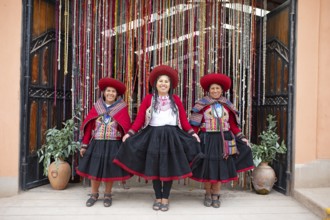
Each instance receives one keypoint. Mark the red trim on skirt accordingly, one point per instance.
(124, 167)
(245, 169)
(102, 179)
(214, 181)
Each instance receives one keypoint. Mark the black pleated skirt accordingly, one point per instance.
(243, 160)
(165, 153)
(97, 162)
(214, 168)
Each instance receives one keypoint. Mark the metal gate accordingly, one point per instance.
(276, 96)
(45, 91)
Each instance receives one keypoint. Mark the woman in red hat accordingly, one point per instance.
(167, 147)
(102, 133)
(225, 147)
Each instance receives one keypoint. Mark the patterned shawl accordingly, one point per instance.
(112, 110)
(196, 117)
(100, 109)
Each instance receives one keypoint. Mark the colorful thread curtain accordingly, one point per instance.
(125, 39)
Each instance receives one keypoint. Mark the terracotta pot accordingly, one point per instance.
(59, 174)
(263, 178)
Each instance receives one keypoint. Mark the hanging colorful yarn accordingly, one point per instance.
(57, 29)
(66, 51)
(59, 35)
(66, 36)
(195, 37)
(264, 37)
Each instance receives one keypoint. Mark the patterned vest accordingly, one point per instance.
(211, 118)
(107, 129)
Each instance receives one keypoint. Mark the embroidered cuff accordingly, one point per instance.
(240, 135)
(84, 146)
(191, 131)
(131, 132)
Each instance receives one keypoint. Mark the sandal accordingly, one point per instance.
(156, 206)
(107, 202)
(216, 202)
(92, 199)
(164, 207)
(207, 201)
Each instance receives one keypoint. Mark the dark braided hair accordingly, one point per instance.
(170, 95)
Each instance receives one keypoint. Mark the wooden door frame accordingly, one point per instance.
(38, 93)
(285, 100)
(25, 78)
(291, 96)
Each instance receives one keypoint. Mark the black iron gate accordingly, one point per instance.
(45, 91)
(276, 96)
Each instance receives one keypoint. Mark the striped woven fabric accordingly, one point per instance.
(196, 117)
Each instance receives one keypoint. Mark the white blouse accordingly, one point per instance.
(161, 118)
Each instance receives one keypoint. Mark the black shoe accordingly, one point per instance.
(107, 202)
(92, 199)
(216, 202)
(156, 206)
(207, 200)
(164, 207)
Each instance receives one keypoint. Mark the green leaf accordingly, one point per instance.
(59, 143)
(268, 147)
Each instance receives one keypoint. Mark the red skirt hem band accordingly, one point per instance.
(103, 179)
(214, 181)
(124, 167)
(245, 169)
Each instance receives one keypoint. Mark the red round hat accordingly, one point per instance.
(111, 82)
(215, 78)
(164, 70)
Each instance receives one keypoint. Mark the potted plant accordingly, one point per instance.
(58, 147)
(263, 177)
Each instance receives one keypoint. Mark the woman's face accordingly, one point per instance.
(163, 85)
(110, 95)
(215, 91)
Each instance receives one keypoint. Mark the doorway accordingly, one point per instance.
(196, 37)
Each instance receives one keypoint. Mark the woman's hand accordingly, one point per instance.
(197, 138)
(125, 137)
(82, 152)
(246, 141)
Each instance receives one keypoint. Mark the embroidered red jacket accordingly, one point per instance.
(121, 117)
